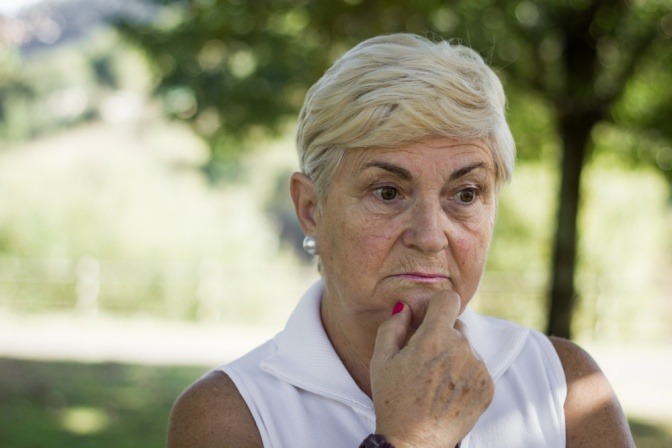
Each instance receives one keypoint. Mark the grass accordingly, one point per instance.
(57, 404)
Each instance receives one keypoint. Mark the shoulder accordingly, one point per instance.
(212, 413)
(576, 362)
(593, 415)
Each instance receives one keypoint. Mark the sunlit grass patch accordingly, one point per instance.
(84, 420)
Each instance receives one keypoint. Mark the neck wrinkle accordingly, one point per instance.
(353, 347)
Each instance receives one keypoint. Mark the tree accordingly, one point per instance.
(583, 57)
(233, 67)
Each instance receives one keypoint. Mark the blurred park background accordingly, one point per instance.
(146, 233)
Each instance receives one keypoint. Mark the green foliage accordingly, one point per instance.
(623, 251)
(132, 211)
(524, 221)
(51, 90)
(237, 70)
(231, 67)
(230, 71)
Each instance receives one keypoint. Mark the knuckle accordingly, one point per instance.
(436, 339)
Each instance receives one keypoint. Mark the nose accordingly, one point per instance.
(427, 227)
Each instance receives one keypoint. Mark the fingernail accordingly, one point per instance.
(397, 308)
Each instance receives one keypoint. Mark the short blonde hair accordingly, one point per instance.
(396, 89)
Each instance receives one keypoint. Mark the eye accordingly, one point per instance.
(386, 193)
(467, 196)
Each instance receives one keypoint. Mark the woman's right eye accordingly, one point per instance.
(386, 193)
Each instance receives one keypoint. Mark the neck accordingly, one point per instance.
(352, 342)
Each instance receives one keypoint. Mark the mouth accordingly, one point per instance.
(423, 277)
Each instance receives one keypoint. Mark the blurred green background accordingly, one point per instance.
(146, 233)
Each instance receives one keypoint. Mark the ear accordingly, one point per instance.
(304, 197)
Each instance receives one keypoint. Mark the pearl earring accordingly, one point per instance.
(310, 245)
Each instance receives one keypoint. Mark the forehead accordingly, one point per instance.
(437, 154)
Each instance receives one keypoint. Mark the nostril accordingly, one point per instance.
(429, 239)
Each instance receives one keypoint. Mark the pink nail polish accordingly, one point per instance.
(397, 308)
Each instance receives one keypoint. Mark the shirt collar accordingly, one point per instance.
(306, 358)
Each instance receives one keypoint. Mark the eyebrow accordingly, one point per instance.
(466, 170)
(394, 169)
(406, 175)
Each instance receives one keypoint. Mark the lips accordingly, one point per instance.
(423, 277)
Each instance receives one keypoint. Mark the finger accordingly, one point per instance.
(442, 312)
(392, 335)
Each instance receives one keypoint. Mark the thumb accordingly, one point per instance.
(392, 335)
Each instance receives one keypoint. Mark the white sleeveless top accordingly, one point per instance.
(301, 395)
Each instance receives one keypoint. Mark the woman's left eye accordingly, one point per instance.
(467, 196)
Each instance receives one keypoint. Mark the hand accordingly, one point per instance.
(430, 392)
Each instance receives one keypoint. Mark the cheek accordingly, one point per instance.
(360, 244)
(467, 250)
(473, 244)
(472, 253)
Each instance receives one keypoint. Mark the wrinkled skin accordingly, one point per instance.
(431, 391)
(409, 225)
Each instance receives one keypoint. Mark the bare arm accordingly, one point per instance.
(211, 413)
(593, 415)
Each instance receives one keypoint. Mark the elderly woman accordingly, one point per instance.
(403, 147)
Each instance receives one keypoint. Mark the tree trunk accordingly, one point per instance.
(575, 130)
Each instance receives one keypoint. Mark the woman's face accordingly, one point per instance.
(401, 224)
